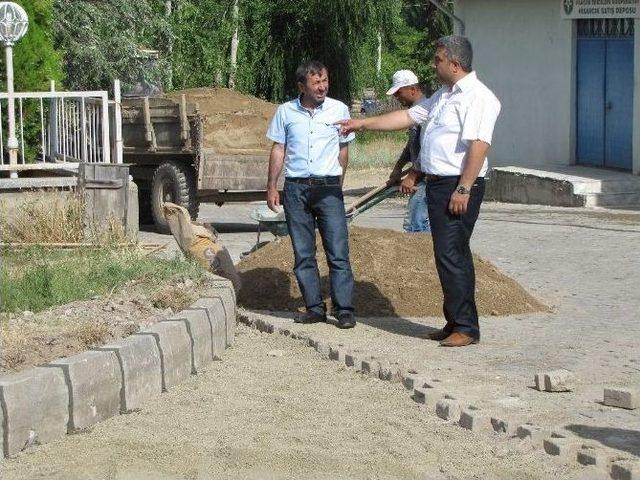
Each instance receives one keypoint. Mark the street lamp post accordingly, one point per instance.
(13, 25)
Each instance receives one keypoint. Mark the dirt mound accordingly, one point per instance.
(395, 276)
(234, 123)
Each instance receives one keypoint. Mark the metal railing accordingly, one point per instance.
(58, 130)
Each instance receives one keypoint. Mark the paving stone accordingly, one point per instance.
(561, 446)
(625, 470)
(337, 353)
(592, 455)
(448, 409)
(323, 349)
(174, 344)
(555, 381)
(199, 329)
(140, 366)
(35, 408)
(353, 359)
(95, 383)
(501, 425)
(472, 418)
(622, 398)
(219, 310)
(411, 381)
(427, 396)
(371, 367)
(533, 433)
(390, 372)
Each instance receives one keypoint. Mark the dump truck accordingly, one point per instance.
(197, 145)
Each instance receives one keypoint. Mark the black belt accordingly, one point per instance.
(432, 178)
(315, 180)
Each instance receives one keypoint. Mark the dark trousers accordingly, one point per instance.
(454, 262)
(306, 206)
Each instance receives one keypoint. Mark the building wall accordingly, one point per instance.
(523, 51)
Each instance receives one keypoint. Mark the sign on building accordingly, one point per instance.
(571, 9)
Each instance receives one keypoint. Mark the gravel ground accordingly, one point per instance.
(273, 409)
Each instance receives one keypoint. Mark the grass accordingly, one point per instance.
(376, 150)
(37, 278)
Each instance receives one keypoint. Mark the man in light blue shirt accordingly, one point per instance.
(308, 144)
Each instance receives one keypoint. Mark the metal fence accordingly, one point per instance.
(59, 130)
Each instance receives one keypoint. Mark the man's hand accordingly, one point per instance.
(350, 125)
(458, 203)
(395, 177)
(408, 185)
(273, 199)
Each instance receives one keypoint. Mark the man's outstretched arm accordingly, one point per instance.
(398, 120)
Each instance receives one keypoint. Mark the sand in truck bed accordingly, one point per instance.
(234, 123)
(395, 275)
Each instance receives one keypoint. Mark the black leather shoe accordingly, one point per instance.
(310, 317)
(346, 320)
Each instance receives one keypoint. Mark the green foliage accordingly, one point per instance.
(37, 279)
(103, 41)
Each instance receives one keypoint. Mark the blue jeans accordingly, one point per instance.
(417, 217)
(308, 206)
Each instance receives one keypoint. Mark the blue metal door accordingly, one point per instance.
(619, 104)
(605, 93)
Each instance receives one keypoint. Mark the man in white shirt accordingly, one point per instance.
(457, 127)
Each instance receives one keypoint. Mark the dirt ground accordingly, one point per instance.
(234, 123)
(395, 276)
(28, 339)
(273, 409)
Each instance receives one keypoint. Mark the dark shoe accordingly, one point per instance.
(438, 335)
(457, 339)
(346, 320)
(310, 317)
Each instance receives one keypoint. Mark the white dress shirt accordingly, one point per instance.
(451, 119)
(311, 137)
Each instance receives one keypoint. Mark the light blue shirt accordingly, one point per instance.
(312, 140)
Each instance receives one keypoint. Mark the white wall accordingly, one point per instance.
(523, 51)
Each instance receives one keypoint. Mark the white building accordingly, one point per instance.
(568, 75)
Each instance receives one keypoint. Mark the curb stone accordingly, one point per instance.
(37, 405)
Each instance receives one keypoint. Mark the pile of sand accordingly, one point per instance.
(395, 275)
(234, 123)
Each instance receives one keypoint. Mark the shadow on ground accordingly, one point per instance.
(618, 438)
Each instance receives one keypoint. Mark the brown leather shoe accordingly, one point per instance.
(438, 335)
(457, 339)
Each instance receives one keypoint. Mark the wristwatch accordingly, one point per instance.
(461, 189)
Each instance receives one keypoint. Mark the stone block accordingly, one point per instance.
(622, 398)
(390, 372)
(591, 455)
(561, 446)
(35, 408)
(448, 409)
(217, 322)
(426, 395)
(625, 470)
(533, 433)
(95, 384)
(323, 349)
(472, 418)
(500, 425)
(371, 367)
(219, 310)
(201, 333)
(555, 381)
(174, 344)
(413, 380)
(353, 359)
(140, 365)
(337, 353)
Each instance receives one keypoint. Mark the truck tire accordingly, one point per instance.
(173, 182)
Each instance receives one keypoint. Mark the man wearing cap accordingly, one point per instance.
(308, 144)
(406, 89)
(457, 129)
